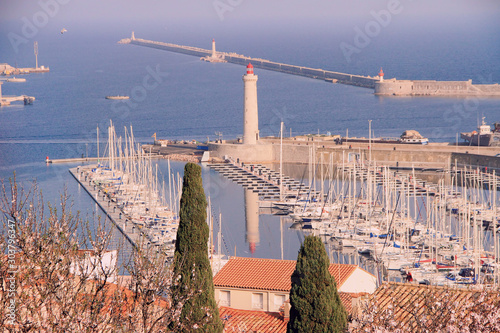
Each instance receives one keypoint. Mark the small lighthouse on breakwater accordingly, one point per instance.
(250, 110)
(214, 53)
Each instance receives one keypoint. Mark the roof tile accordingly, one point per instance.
(269, 274)
(251, 321)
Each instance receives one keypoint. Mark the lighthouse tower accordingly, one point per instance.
(251, 114)
(214, 54)
(381, 75)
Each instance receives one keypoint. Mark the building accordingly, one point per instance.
(264, 284)
(406, 307)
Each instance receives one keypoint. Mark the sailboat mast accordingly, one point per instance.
(98, 145)
(281, 161)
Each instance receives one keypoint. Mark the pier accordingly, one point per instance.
(259, 179)
(113, 213)
(6, 100)
(388, 87)
(238, 59)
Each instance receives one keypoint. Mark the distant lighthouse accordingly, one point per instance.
(251, 114)
(381, 75)
(214, 54)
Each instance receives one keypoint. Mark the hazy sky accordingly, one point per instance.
(231, 12)
(184, 21)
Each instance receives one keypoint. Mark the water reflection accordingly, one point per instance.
(252, 219)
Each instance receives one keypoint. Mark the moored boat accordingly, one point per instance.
(484, 136)
(117, 97)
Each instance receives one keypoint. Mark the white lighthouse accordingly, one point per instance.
(214, 54)
(251, 113)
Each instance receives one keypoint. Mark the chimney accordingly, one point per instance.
(286, 310)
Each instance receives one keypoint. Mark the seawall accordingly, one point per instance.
(234, 58)
(388, 87)
(398, 155)
(395, 87)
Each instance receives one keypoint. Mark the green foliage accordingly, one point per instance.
(315, 302)
(192, 271)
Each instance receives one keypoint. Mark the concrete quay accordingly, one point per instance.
(180, 152)
(6, 100)
(393, 87)
(436, 156)
(81, 159)
(6, 69)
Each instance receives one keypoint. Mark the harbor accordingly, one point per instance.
(381, 86)
(433, 232)
(362, 197)
(438, 233)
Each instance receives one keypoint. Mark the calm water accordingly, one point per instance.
(194, 99)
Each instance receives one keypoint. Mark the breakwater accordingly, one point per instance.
(234, 58)
(435, 88)
(389, 87)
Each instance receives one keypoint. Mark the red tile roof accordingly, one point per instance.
(251, 321)
(269, 274)
(408, 304)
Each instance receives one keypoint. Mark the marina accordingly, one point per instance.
(430, 233)
(368, 130)
(443, 233)
(131, 194)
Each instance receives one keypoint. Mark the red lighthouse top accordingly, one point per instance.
(381, 73)
(249, 68)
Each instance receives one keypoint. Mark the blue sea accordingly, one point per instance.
(191, 99)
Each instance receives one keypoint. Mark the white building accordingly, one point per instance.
(264, 284)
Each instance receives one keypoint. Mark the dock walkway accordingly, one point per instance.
(131, 232)
(262, 180)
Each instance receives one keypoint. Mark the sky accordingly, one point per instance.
(231, 13)
(190, 22)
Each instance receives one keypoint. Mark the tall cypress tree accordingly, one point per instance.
(192, 270)
(315, 302)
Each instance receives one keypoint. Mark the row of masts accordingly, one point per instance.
(130, 179)
(403, 221)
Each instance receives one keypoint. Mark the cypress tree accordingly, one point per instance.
(315, 302)
(194, 288)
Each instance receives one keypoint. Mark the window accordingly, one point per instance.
(224, 298)
(278, 301)
(258, 301)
